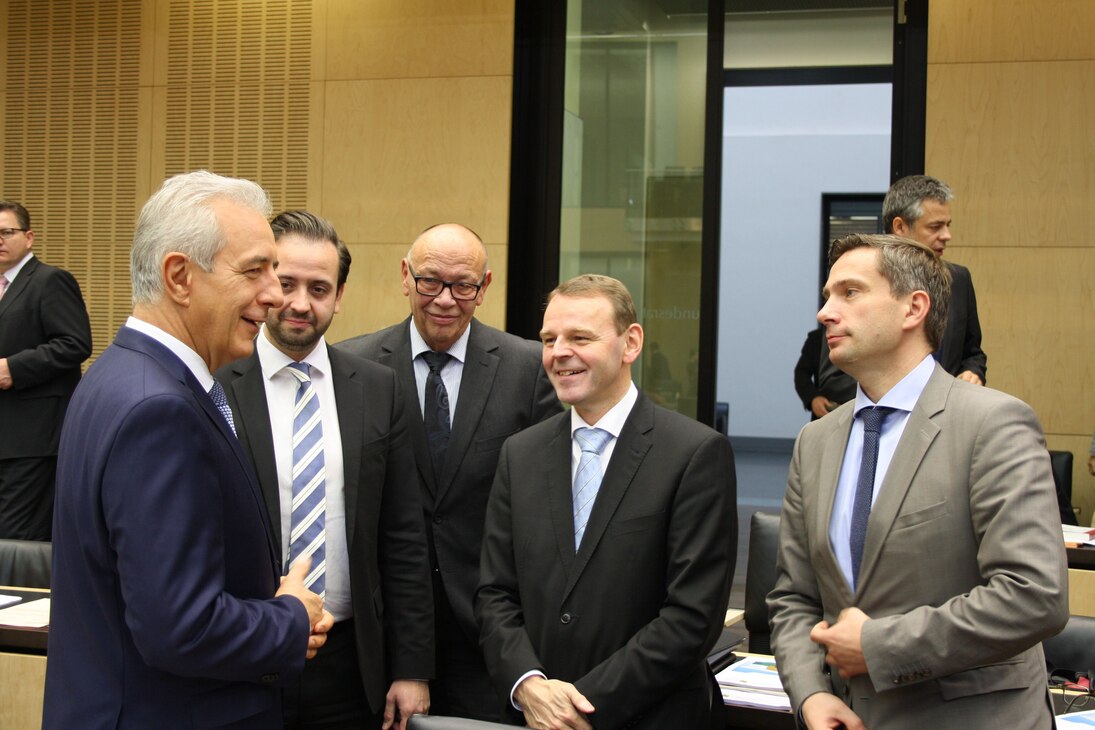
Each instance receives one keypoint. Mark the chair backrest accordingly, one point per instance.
(1061, 463)
(1074, 648)
(25, 563)
(439, 722)
(760, 578)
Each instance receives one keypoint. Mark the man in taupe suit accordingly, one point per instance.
(928, 605)
(483, 385)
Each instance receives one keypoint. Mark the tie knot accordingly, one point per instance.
(592, 440)
(302, 371)
(874, 417)
(436, 360)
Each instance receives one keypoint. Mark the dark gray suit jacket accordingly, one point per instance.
(630, 617)
(45, 335)
(389, 574)
(961, 346)
(503, 389)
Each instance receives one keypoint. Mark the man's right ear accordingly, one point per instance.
(177, 274)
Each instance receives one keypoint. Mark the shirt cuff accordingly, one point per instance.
(522, 678)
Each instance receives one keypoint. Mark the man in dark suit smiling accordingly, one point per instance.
(370, 537)
(468, 387)
(610, 538)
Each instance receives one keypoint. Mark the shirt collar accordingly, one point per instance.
(612, 421)
(458, 351)
(273, 361)
(11, 273)
(184, 352)
(905, 394)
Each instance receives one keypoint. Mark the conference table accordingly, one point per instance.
(22, 667)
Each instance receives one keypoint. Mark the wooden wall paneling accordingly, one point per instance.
(71, 140)
(1014, 140)
(22, 687)
(1010, 30)
(402, 154)
(388, 39)
(373, 298)
(1035, 307)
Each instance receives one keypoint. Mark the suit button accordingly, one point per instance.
(437, 519)
(270, 678)
(565, 618)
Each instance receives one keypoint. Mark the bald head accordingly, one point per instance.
(451, 254)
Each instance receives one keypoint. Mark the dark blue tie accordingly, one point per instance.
(873, 418)
(436, 412)
(220, 400)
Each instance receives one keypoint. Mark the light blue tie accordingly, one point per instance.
(220, 400)
(308, 519)
(587, 479)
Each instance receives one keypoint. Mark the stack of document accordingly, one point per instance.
(753, 682)
(1078, 536)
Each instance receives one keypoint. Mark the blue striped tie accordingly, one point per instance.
(587, 479)
(309, 488)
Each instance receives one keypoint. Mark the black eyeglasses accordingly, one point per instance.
(428, 286)
(8, 233)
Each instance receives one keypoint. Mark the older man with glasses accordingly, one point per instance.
(468, 387)
(44, 337)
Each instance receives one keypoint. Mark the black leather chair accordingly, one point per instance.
(25, 563)
(439, 722)
(1061, 463)
(760, 577)
(1073, 649)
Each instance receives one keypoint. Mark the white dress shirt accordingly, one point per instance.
(451, 373)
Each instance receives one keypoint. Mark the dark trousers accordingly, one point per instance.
(329, 694)
(462, 687)
(26, 497)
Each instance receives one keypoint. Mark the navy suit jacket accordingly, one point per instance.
(163, 567)
(630, 617)
(389, 572)
(503, 389)
(45, 336)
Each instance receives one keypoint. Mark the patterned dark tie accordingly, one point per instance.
(873, 418)
(587, 478)
(435, 416)
(220, 400)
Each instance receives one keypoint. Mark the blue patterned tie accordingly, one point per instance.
(308, 519)
(873, 418)
(220, 400)
(587, 479)
(436, 411)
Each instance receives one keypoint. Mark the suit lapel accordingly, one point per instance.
(561, 504)
(352, 411)
(396, 354)
(480, 366)
(15, 288)
(627, 456)
(920, 431)
(832, 458)
(248, 399)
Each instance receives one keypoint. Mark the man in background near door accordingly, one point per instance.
(44, 337)
(468, 387)
(368, 533)
(919, 207)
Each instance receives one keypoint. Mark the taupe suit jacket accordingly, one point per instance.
(963, 570)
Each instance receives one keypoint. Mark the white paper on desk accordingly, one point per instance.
(763, 700)
(6, 600)
(751, 672)
(1076, 721)
(29, 615)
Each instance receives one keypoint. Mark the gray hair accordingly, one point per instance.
(179, 217)
(908, 266)
(906, 195)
